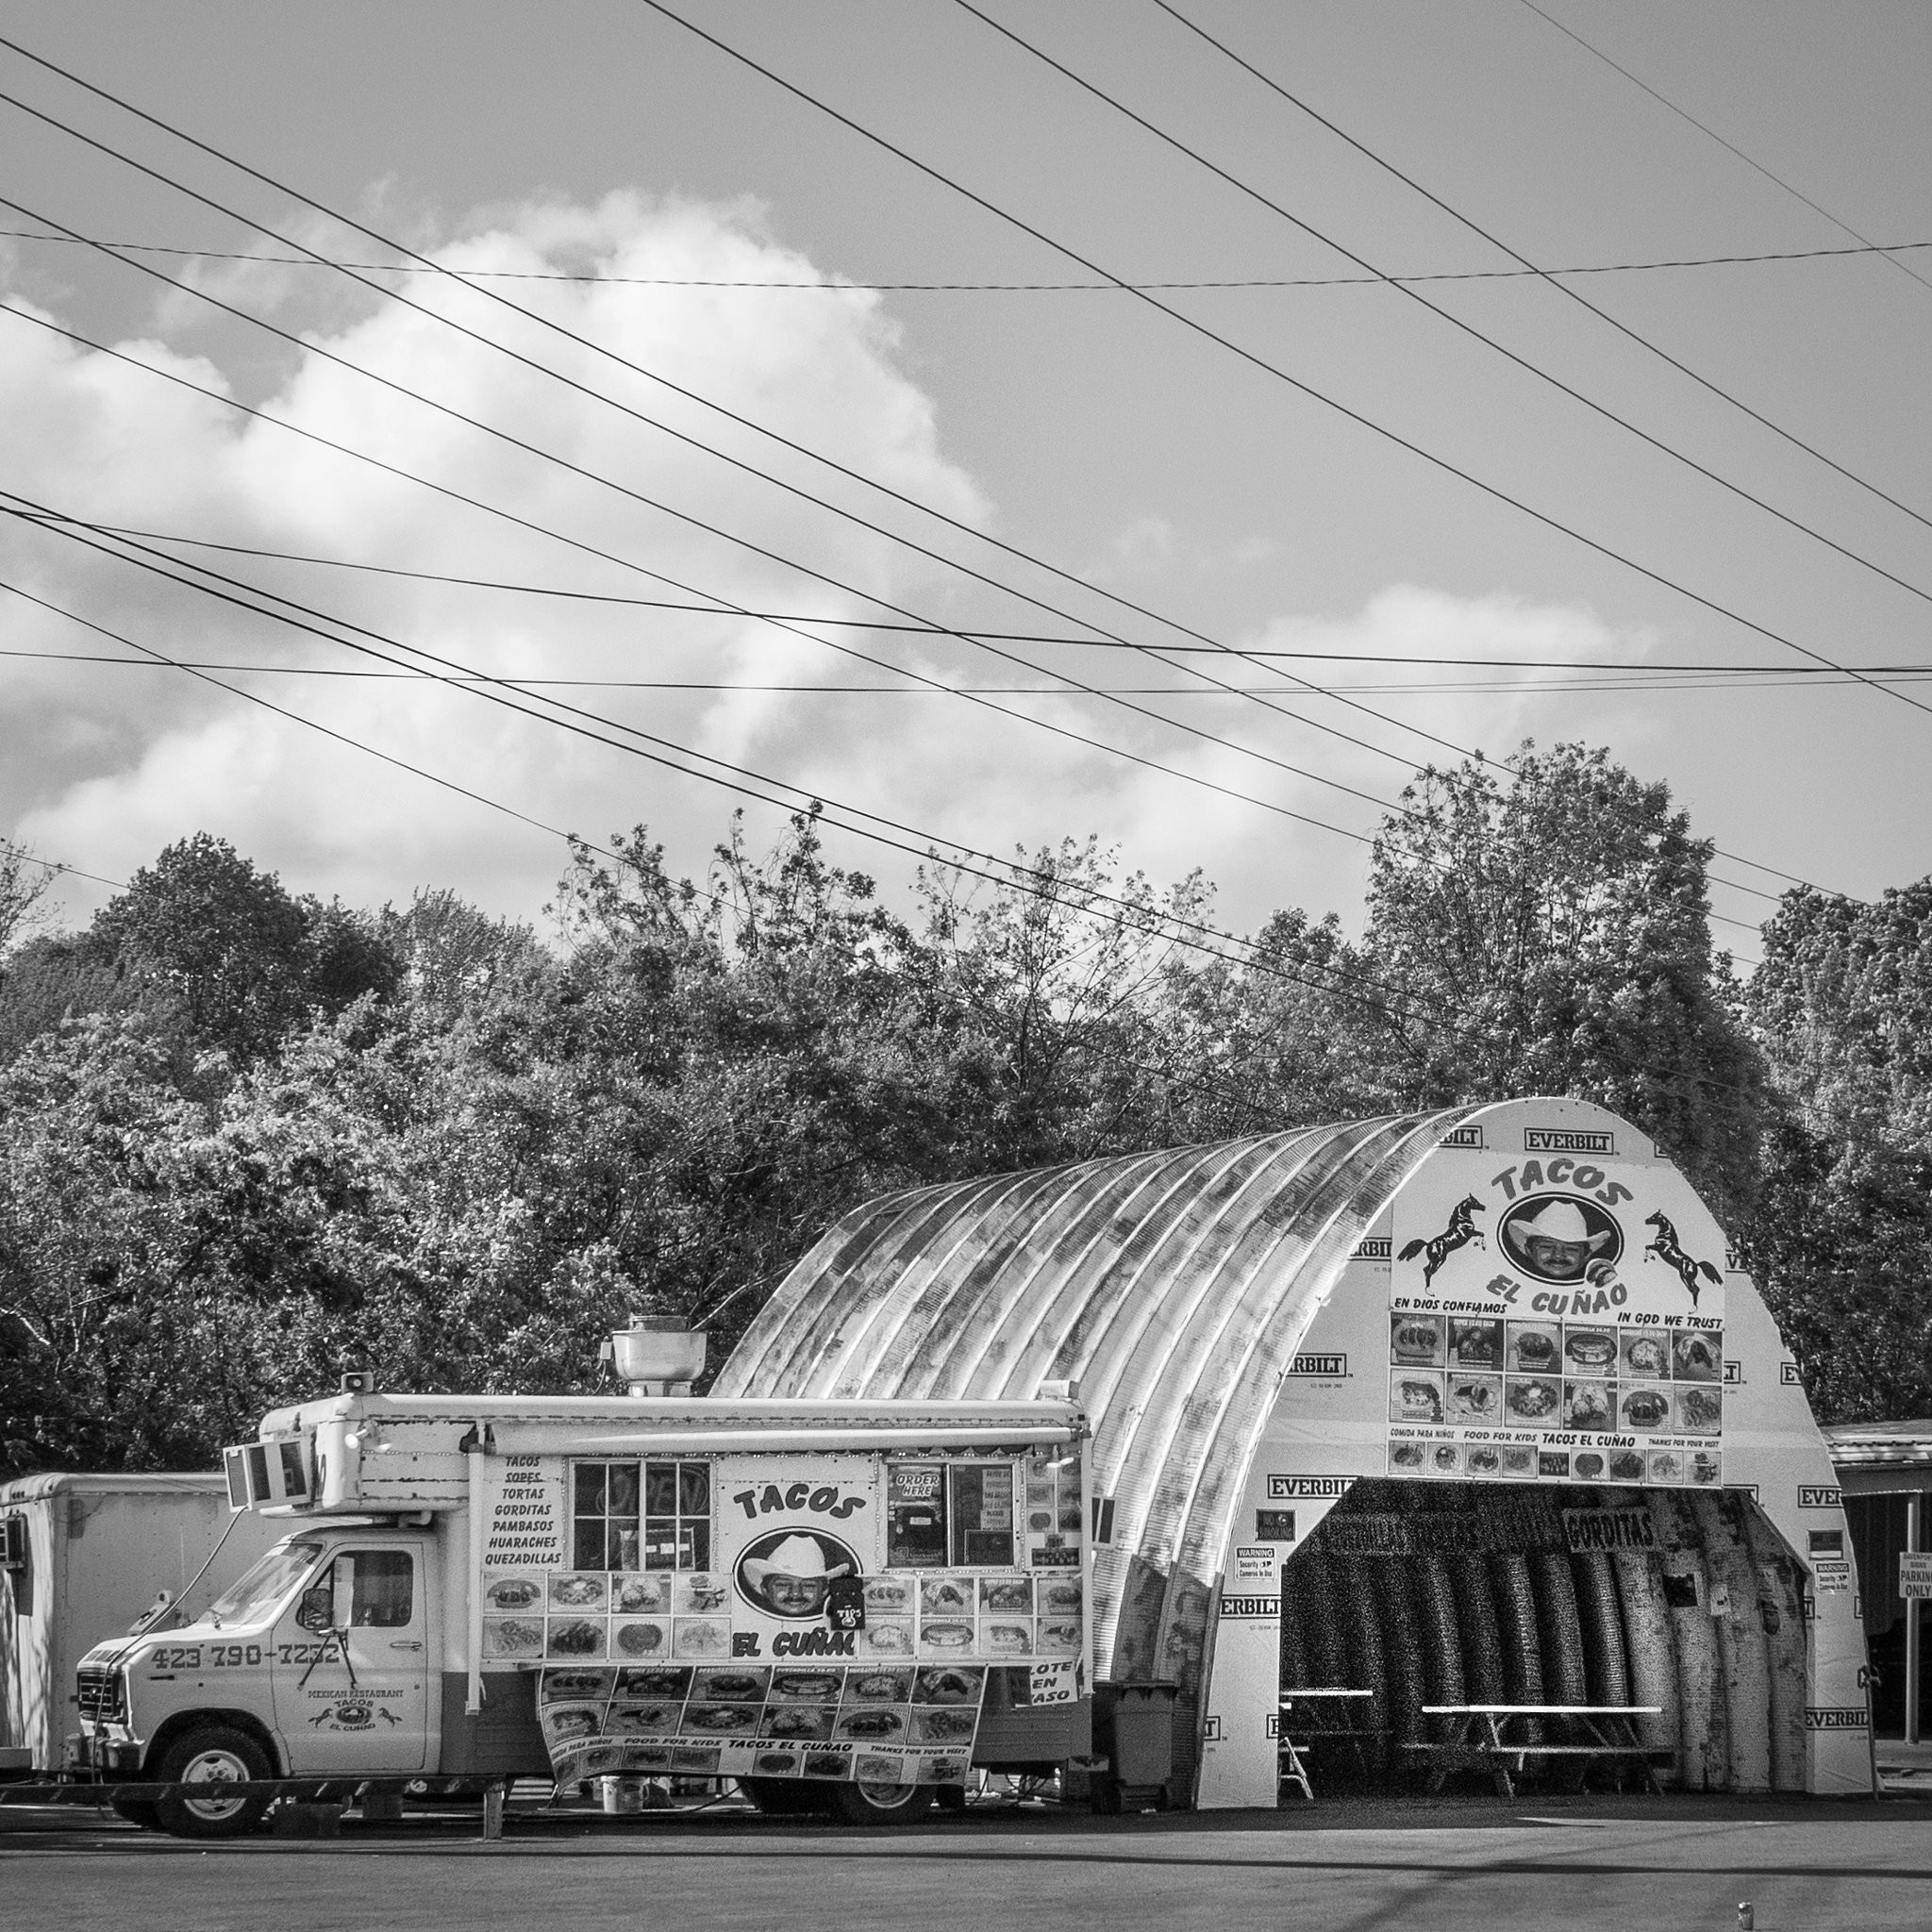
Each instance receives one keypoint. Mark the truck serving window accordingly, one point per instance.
(640, 1516)
(915, 1516)
(982, 1513)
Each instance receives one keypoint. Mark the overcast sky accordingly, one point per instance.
(1083, 427)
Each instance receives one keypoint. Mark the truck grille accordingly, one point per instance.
(102, 1698)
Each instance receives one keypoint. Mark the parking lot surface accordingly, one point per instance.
(1575, 1864)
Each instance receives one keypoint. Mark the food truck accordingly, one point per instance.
(841, 1606)
(83, 1557)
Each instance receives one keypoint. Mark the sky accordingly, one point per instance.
(589, 420)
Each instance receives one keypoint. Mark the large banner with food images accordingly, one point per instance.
(1556, 1315)
(820, 1614)
(886, 1724)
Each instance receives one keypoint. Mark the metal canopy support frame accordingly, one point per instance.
(1915, 1526)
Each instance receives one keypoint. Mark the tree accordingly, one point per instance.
(1552, 935)
(25, 881)
(233, 955)
(1843, 1237)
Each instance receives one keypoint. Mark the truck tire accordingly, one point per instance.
(864, 1802)
(211, 1756)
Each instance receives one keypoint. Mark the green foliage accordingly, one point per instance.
(1843, 1234)
(245, 1137)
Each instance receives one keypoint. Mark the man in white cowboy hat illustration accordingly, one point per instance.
(792, 1580)
(1555, 1243)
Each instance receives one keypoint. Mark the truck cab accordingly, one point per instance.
(316, 1663)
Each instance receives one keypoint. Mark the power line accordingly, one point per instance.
(41, 513)
(1760, 669)
(1257, 697)
(807, 570)
(760, 429)
(675, 387)
(57, 866)
(1490, 342)
(443, 669)
(742, 779)
(843, 287)
(1261, 362)
(1730, 147)
(574, 842)
(1516, 255)
(820, 688)
(447, 669)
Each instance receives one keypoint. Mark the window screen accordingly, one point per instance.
(915, 1516)
(640, 1516)
(982, 1514)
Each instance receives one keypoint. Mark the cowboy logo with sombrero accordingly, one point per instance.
(1556, 1242)
(794, 1579)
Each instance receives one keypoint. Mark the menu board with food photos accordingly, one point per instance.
(1557, 1320)
(885, 1723)
(747, 1614)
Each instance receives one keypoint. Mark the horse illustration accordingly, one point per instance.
(1667, 1248)
(1460, 1233)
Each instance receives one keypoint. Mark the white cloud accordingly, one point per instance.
(103, 766)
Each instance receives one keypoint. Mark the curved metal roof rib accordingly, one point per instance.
(1174, 1286)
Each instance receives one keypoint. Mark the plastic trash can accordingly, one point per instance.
(1133, 1729)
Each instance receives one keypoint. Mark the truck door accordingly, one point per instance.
(352, 1664)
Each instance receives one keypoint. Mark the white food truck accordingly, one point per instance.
(843, 1606)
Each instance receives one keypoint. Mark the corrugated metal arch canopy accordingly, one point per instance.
(1176, 1287)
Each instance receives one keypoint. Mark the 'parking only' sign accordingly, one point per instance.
(1915, 1573)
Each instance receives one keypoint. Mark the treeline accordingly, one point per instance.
(246, 1137)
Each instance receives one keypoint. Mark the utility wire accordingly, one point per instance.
(1490, 342)
(1603, 315)
(235, 591)
(426, 262)
(1261, 362)
(574, 842)
(22, 857)
(806, 570)
(596, 728)
(1167, 926)
(1730, 147)
(675, 387)
(1763, 668)
(843, 287)
(954, 563)
(1448, 689)
(41, 512)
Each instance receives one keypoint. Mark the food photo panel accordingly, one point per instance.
(1416, 1340)
(1415, 1395)
(1475, 1344)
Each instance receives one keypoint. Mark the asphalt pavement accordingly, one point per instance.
(1580, 1864)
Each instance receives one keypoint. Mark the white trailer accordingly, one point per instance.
(81, 1559)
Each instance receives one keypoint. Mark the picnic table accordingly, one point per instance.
(1334, 1710)
(1481, 1739)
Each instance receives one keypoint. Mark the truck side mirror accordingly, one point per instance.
(317, 1611)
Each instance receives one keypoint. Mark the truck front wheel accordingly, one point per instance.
(200, 1764)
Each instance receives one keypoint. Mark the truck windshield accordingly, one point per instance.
(259, 1589)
